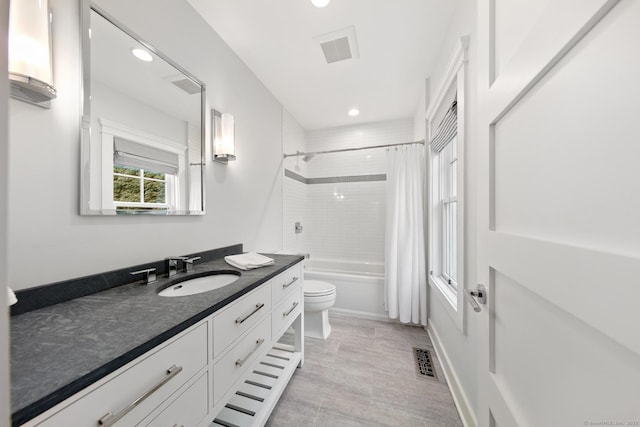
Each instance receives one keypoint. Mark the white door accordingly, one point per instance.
(559, 199)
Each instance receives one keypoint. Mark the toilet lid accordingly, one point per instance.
(318, 288)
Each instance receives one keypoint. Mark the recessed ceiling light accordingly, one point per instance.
(142, 54)
(320, 3)
(354, 112)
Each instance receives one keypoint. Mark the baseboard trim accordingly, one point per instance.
(459, 397)
(361, 314)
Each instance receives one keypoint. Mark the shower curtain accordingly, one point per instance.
(405, 262)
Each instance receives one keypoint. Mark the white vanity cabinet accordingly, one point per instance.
(226, 369)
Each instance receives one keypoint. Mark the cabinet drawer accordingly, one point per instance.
(285, 313)
(286, 282)
(188, 410)
(239, 317)
(187, 355)
(229, 368)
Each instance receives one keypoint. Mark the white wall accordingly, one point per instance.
(293, 139)
(4, 178)
(111, 104)
(360, 135)
(243, 199)
(419, 123)
(459, 348)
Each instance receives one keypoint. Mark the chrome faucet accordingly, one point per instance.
(173, 264)
(187, 263)
(148, 275)
(176, 264)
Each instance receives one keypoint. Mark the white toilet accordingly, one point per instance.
(319, 296)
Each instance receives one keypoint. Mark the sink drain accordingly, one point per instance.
(424, 363)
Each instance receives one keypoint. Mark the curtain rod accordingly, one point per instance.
(313, 153)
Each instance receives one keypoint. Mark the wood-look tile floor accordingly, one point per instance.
(364, 375)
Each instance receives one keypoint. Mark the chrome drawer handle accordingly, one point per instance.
(242, 319)
(285, 314)
(109, 419)
(240, 362)
(286, 285)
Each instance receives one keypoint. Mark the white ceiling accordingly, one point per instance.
(398, 42)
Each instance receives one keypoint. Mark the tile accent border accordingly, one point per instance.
(55, 293)
(335, 179)
(352, 178)
(290, 174)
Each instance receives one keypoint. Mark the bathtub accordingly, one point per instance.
(359, 285)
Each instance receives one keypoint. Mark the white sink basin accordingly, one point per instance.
(199, 285)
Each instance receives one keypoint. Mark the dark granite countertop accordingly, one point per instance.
(57, 351)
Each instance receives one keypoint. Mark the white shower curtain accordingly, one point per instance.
(405, 263)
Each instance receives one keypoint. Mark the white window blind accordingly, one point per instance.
(134, 155)
(447, 129)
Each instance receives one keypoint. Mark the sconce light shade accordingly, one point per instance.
(30, 61)
(223, 137)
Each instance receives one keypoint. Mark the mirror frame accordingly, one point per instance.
(86, 6)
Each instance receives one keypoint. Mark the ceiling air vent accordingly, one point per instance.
(187, 85)
(339, 45)
(336, 50)
(183, 83)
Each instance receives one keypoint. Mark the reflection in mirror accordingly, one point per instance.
(143, 126)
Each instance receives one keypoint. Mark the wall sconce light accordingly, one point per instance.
(320, 3)
(223, 137)
(30, 58)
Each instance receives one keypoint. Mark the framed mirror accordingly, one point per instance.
(143, 125)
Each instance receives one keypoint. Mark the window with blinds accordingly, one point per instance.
(444, 177)
(447, 117)
(142, 176)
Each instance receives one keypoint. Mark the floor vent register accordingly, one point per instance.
(424, 364)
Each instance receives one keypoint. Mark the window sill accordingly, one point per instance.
(450, 299)
(446, 291)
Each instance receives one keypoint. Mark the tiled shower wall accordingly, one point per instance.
(344, 194)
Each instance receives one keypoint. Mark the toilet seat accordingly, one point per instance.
(318, 288)
(316, 301)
